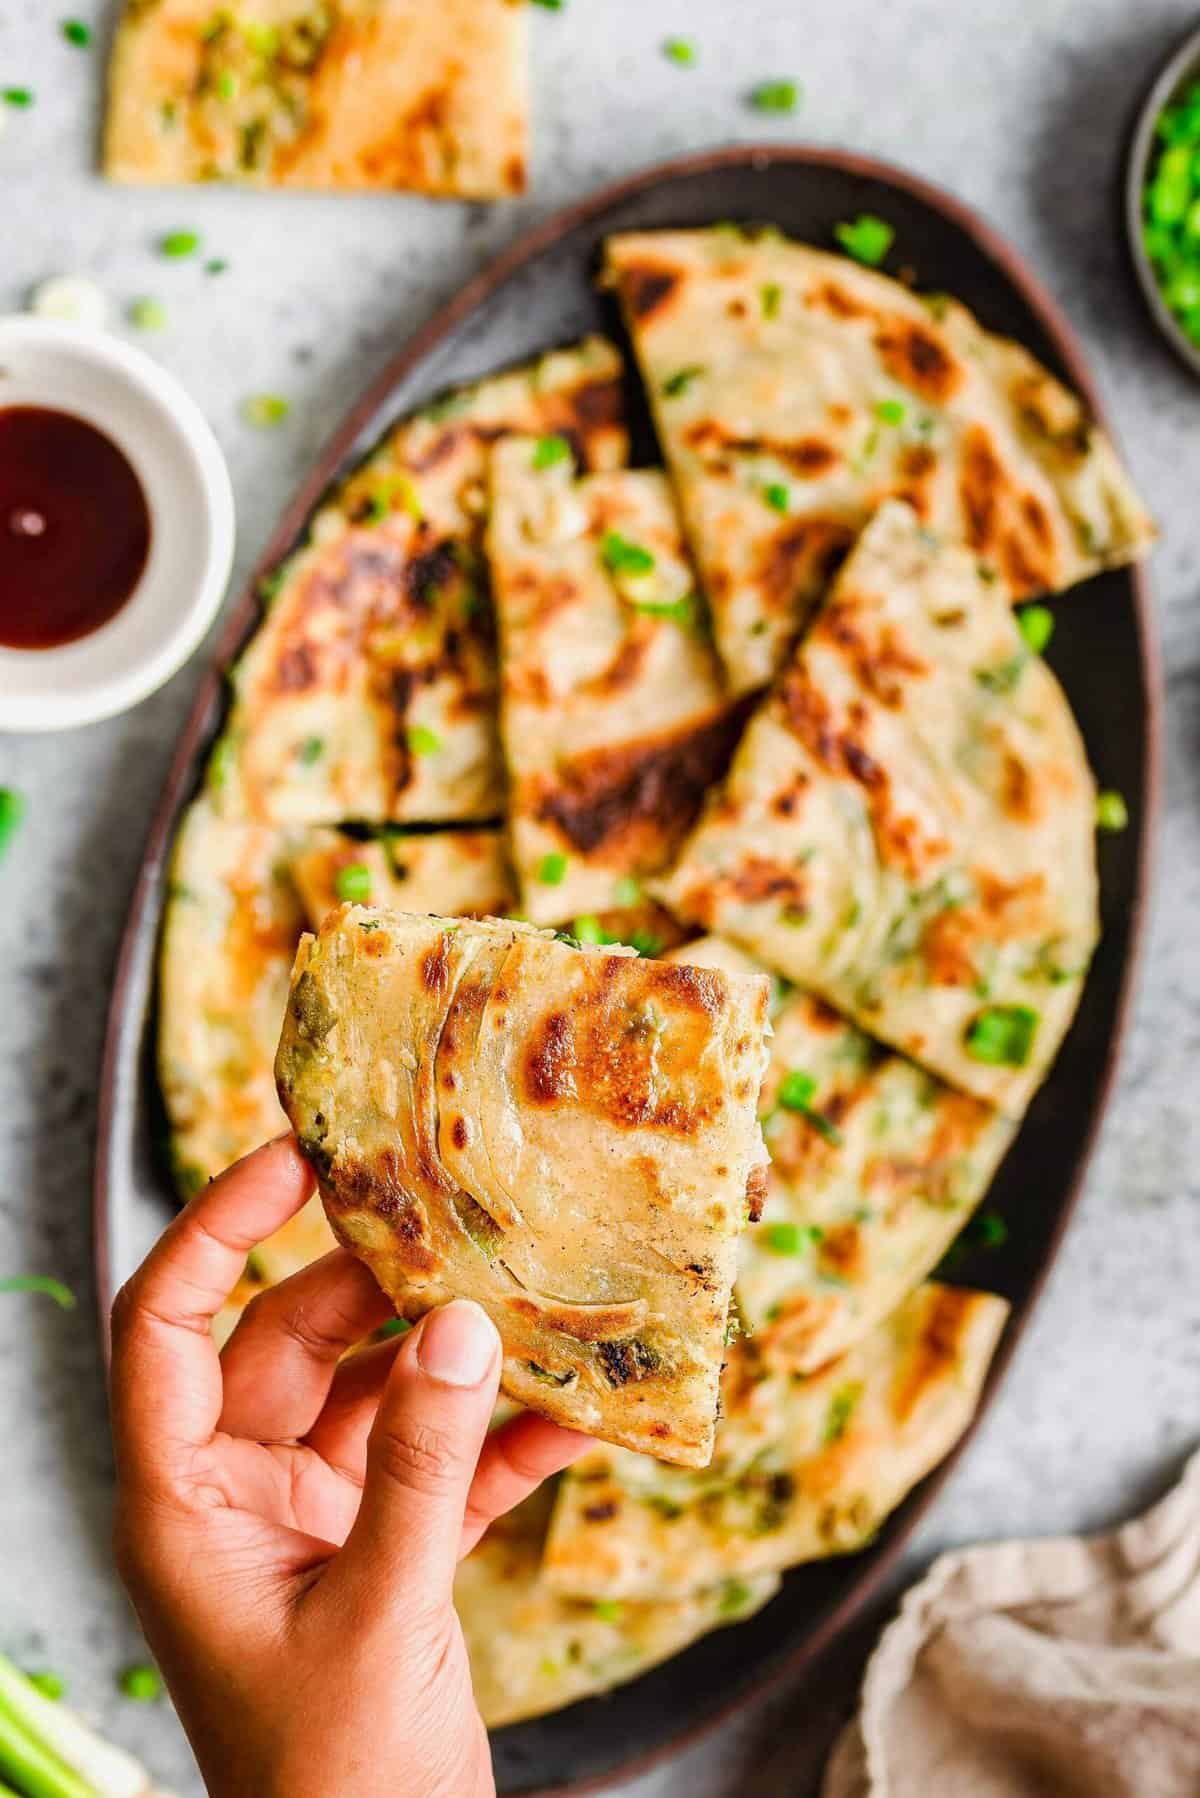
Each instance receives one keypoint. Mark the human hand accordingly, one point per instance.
(289, 1522)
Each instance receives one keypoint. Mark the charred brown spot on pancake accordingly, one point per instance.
(602, 1511)
(1019, 793)
(550, 1061)
(808, 457)
(586, 416)
(625, 667)
(418, 149)
(831, 298)
(435, 966)
(460, 1134)
(625, 1361)
(582, 1323)
(879, 662)
(981, 482)
(1021, 568)
(637, 802)
(935, 1354)
(427, 575)
(515, 175)
(646, 289)
(693, 989)
(757, 878)
(440, 450)
(914, 356)
(756, 1192)
(796, 563)
(841, 1252)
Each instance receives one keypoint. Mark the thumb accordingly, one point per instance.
(421, 1458)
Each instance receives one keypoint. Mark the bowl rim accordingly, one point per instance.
(240, 623)
(50, 708)
(1184, 60)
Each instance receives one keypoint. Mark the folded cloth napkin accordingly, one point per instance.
(1059, 1669)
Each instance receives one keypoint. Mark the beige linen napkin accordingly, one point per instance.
(1059, 1669)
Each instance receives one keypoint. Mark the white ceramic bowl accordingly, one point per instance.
(179, 463)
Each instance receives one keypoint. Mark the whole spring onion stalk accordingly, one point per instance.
(46, 1751)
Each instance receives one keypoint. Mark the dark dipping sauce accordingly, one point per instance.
(74, 528)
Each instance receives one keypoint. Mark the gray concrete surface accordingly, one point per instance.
(1021, 109)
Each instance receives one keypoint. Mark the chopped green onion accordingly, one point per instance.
(142, 1682)
(12, 810)
(777, 496)
(552, 5)
(772, 299)
(177, 244)
(868, 239)
(1112, 813)
(353, 883)
(77, 33)
(265, 409)
(552, 869)
(20, 97)
(227, 85)
(609, 1610)
(1002, 1036)
(148, 315)
(775, 96)
(627, 892)
(549, 451)
(1036, 624)
(680, 381)
(735, 1596)
(647, 944)
(622, 557)
(681, 50)
(421, 740)
(589, 929)
(786, 1239)
(43, 1283)
(50, 1685)
(310, 751)
(682, 611)
(216, 265)
(796, 1091)
(841, 1409)
(891, 412)
(395, 1326)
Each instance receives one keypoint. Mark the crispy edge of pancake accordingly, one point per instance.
(874, 1172)
(418, 1185)
(614, 715)
(804, 1467)
(919, 872)
(390, 96)
(533, 1651)
(1032, 480)
(322, 687)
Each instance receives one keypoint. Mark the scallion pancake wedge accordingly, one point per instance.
(456, 873)
(875, 1168)
(334, 94)
(804, 1466)
(532, 1651)
(566, 1135)
(369, 690)
(796, 391)
(614, 715)
(907, 829)
(231, 926)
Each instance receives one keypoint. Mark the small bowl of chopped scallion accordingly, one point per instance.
(1163, 200)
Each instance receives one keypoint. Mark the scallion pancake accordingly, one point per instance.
(796, 391)
(804, 1466)
(456, 873)
(322, 94)
(907, 829)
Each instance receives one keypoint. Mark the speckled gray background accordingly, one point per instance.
(1021, 108)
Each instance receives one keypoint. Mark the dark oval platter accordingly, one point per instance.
(540, 294)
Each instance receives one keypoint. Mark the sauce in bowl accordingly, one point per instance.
(74, 528)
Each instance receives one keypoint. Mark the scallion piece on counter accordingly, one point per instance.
(264, 410)
(681, 50)
(49, 1752)
(178, 244)
(775, 96)
(45, 1284)
(142, 1683)
(148, 315)
(20, 97)
(12, 810)
(77, 33)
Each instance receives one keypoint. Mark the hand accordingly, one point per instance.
(289, 1521)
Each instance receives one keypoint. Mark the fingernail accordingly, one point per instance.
(458, 1344)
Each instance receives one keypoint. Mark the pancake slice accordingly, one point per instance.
(875, 1168)
(369, 690)
(614, 714)
(796, 391)
(333, 94)
(457, 873)
(568, 1136)
(231, 926)
(533, 1651)
(907, 829)
(804, 1467)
